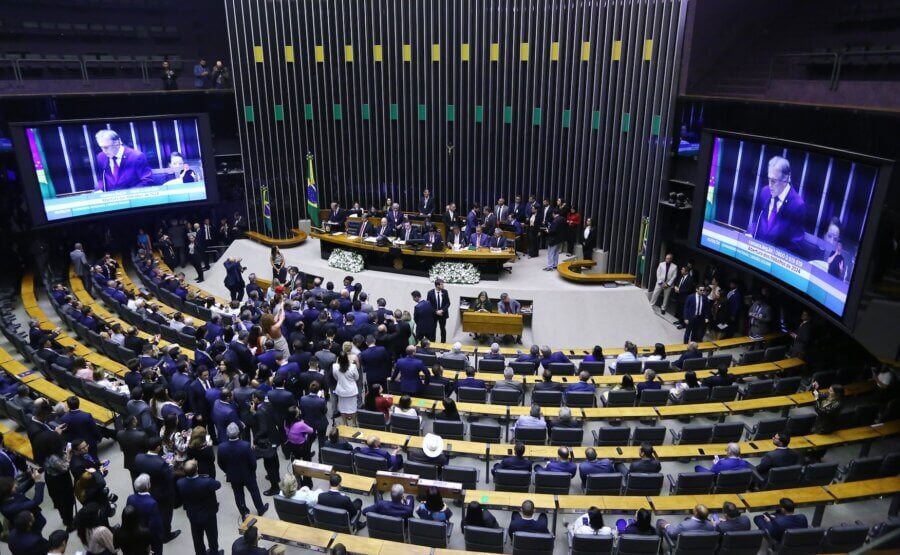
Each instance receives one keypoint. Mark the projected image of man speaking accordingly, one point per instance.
(121, 167)
(782, 210)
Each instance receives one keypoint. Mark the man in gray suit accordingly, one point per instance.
(456, 353)
(699, 520)
(507, 382)
(508, 305)
(78, 258)
(732, 520)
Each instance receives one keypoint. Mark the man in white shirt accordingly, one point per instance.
(532, 420)
(665, 278)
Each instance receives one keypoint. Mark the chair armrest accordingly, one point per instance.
(671, 481)
(676, 436)
(757, 477)
(596, 436)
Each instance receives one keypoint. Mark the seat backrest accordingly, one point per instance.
(695, 364)
(787, 386)
(589, 544)
(639, 483)
(531, 436)
(726, 432)
(621, 398)
(839, 539)
(632, 367)
(523, 368)
(368, 465)
(658, 366)
(429, 359)
(547, 398)
(434, 391)
(566, 436)
(890, 466)
(695, 433)
(405, 424)
(801, 425)
(450, 429)
(465, 475)
(512, 480)
(581, 399)
(783, 477)
(863, 469)
(767, 428)
(603, 484)
(695, 394)
(471, 395)
(745, 542)
(488, 365)
(753, 357)
(528, 543)
(724, 393)
(330, 518)
(383, 527)
(562, 368)
(485, 432)
(630, 544)
(490, 540)
(428, 533)
(292, 510)
(505, 396)
(775, 353)
(801, 540)
(612, 435)
(552, 482)
(449, 363)
(654, 435)
(654, 397)
(759, 388)
(717, 360)
(819, 474)
(694, 483)
(733, 481)
(696, 541)
(422, 470)
(371, 419)
(592, 367)
(340, 460)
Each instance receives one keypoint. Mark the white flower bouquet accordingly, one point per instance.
(455, 272)
(346, 260)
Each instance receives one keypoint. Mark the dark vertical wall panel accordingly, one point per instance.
(341, 109)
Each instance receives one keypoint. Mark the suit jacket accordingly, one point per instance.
(134, 171)
(483, 241)
(408, 235)
(690, 308)
(315, 411)
(597, 466)
(645, 466)
(149, 512)
(131, 442)
(376, 363)
(224, 414)
(27, 543)
(689, 524)
(450, 220)
(162, 481)
(498, 242)
(739, 524)
(366, 229)
(460, 238)
(395, 219)
(777, 458)
(426, 206)
(425, 318)
(444, 305)
(501, 212)
(240, 547)
(781, 523)
(556, 230)
(198, 495)
(558, 466)
(434, 238)
(786, 228)
(470, 382)
(80, 424)
(728, 463)
(513, 462)
(589, 243)
(490, 222)
(668, 278)
(687, 355)
(337, 500)
(237, 461)
(519, 524)
(402, 509)
(409, 369)
(519, 210)
(471, 223)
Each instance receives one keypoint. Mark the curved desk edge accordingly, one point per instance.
(298, 237)
(570, 270)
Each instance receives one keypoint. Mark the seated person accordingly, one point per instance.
(432, 451)
(629, 354)
(528, 521)
(582, 384)
(647, 464)
(373, 448)
(649, 382)
(498, 241)
(450, 411)
(721, 377)
(640, 525)
(404, 407)
(476, 515)
(698, 521)
(548, 384)
(593, 465)
(517, 461)
(437, 376)
(549, 357)
(732, 461)
(399, 506)
(590, 524)
(494, 353)
(433, 507)
(334, 441)
(561, 464)
(508, 382)
(693, 351)
(455, 353)
(690, 382)
(337, 499)
(533, 356)
(564, 420)
(781, 456)
(531, 420)
(470, 380)
(433, 238)
(627, 383)
(783, 519)
(732, 520)
(596, 355)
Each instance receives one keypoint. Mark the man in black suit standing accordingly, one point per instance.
(198, 493)
(426, 204)
(696, 315)
(684, 286)
(162, 483)
(782, 210)
(237, 461)
(338, 500)
(132, 441)
(450, 218)
(440, 301)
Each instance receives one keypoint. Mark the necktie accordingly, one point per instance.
(773, 210)
(478, 240)
(438, 298)
(115, 166)
(667, 269)
(208, 234)
(407, 234)
(698, 305)
(205, 385)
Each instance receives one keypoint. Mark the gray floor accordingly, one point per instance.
(869, 512)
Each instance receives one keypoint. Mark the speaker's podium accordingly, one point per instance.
(492, 323)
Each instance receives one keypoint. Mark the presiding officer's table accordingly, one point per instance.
(492, 323)
(415, 261)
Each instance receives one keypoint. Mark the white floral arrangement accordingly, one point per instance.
(455, 272)
(346, 260)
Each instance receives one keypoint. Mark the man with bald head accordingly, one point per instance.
(198, 495)
(400, 505)
(698, 521)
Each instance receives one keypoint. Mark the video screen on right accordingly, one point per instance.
(796, 214)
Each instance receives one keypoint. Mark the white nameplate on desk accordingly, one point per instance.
(439, 484)
(370, 240)
(402, 476)
(400, 242)
(314, 466)
(336, 233)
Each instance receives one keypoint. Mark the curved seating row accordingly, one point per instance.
(167, 309)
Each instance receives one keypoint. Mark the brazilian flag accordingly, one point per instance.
(312, 194)
(267, 210)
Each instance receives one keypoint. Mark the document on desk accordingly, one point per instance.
(336, 233)
(370, 240)
(400, 242)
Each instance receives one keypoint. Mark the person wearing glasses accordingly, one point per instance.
(120, 166)
(782, 210)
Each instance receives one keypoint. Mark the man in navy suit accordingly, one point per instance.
(426, 204)
(456, 238)
(408, 369)
(470, 380)
(247, 544)
(593, 466)
(781, 456)
(440, 301)
(434, 239)
(424, 317)
(732, 520)
(399, 506)
(314, 409)
(527, 521)
(395, 217)
(337, 219)
(582, 384)
(198, 493)
(336, 499)
(782, 210)
(698, 521)
(549, 357)
(224, 412)
(160, 485)
(472, 221)
(498, 241)
(281, 400)
(696, 315)
(376, 363)
(373, 449)
(149, 511)
(238, 462)
(561, 464)
(516, 461)
(24, 539)
(80, 424)
(732, 461)
(478, 238)
(693, 351)
(121, 167)
(784, 519)
(407, 232)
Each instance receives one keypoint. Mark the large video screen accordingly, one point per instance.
(85, 168)
(795, 213)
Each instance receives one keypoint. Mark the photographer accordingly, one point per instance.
(13, 502)
(234, 279)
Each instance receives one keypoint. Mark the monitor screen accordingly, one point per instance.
(77, 169)
(795, 213)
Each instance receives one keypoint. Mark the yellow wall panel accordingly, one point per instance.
(258, 54)
(495, 51)
(319, 53)
(585, 51)
(554, 51)
(288, 54)
(377, 53)
(523, 51)
(617, 50)
(435, 52)
(348, 52)
(407, 52)
(464, 52)
(648, 50)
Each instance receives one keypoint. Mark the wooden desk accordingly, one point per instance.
(492, 323)
(297, 238)
(607, 503)
(686, 503)
(571, 271)
(363, 545)
(762, 500)
(56, 394)
(16, 442)
(349, 482)
(864, 489)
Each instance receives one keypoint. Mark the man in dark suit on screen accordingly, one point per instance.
(121, 167)
(780, 219)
